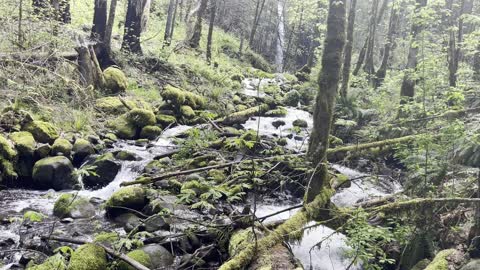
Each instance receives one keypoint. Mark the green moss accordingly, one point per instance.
(239, 240)
(56, 262)
(7, 169)
(195, 101)
(6, 149)
(196, 186)
(243, 116)
(165, 120)
(106, 238)
(141, 118)
(150, 132)
(115, 80)
(111, 137)
(139, 256)
(123, 128)
(24, 142)
(292, 98)
(33, 216)
(440, 261)
(300, 123)
(88, 257)
(42, 131)
(62, 146)
(113, 105)
(174, 95)
(278, 112)
(131, 197)
(66, 203)
(216, 175)
(187, 112)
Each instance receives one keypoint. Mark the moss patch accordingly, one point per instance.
(115, 80)
(62, 146)
(141, 118)
(440, 262)
(88, 257)
(33, 216)
(139, 256)
(150, 132)
(42, 131)
(24, 142)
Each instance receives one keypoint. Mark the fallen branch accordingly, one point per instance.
(110, 251)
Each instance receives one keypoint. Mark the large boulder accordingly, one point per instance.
(104, 169)
(124, 129)
(24, 142)
(115, 80)
(56, 173)
(81, 150)
(73, 206)
(126, 198)
(88, 257)
(62, 147)
(43, 132)
(150, 132)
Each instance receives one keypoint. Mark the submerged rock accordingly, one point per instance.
(88, 257)
(74, 206)
(104, 169)
(56, 173)
(42, 131)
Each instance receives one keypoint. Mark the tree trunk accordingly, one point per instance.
(172, 29)
(99, 20)
(133, 26)
(392, 25)
(194, 40)
(408, 84)
(168, 27)
(361, 57)
(256, 20)
(454, 44)
(369, 67)
(325, 102)
(213, 12)
(279, 54)
(109, 29)
(348, 50)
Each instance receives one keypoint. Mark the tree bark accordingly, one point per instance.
(109, 28)
(99, 20)
(408, 85)
(213, 12)
(454, 42)
(168, 27)
(194, 40)
(347, 64)
(256, 20)
(172, 29)
(369, 67)
(133, 26)
(325, 102)
(279, 52)
(392, 28)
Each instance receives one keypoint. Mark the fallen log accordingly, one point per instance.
(38, 57)
(242, 116)
(421, 202)
(110, 251)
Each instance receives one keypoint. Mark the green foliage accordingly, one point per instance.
(33, 216)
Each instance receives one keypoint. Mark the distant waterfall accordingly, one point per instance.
(279, 55)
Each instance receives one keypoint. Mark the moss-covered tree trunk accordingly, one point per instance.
(347, 64)
(133, 26)
(213, 12)
(328, 82)
(408, 85)
(392, 28)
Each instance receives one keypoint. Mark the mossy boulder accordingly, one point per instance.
(150, 132)
(123, 128)
(126, 197)
(104, 169)
(300, 123)
(62, 147)
(54, 172)
(115, 80)
(126, 156)
(195, 101)
(141, 118)
(173, 95)
(7, 149)
(242, 116)
(278, 112)
(152, 256)
(292, 98)
(113, 105)
(440, 261)
(24, 142)
(74, 206)
(56, 262)
(81, 150)
(43, 132)
(88, 257)
(42, 151)
(187, 112)
(33, 216)
(166, 120)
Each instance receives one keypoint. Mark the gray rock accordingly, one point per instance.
(105, 169)
(155, 223)
(128, 221)
(56, 173)
(159, 256)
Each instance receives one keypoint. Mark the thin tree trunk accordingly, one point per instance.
(454, 45)
(258, 13)
(172, 29)
(279, 53)
(213, 12)
(361, 57)
(167, 38)
(109, 29)
(194, 40)
(133, 26)
(408, 84)
(329, 80)
(347, 64)
(369, 67)
(382, 70)
(99, 20)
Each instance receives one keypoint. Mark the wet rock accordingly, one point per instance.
(105, 170)
(42, 131)
(139, 256)
(127, 156)
(56, 173)
(81, 150)
(155, 223)
(300, 123)
(42, 151)
(150, 132)
(115, 80)
(278, 112)
(128, 221)
(61, 147)
(282, 142)
(126, 197)
(141, 118)
(278, 123)
(123, 128)
(152, 256)
(88, 257)
(32, 216)
(472, 265)
(74, 206)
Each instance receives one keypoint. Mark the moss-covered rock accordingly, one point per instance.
(150, 132)
(88, 257)
(165, 120)
(126, 156)
(242, 116)
(24, 142)
(139, 256)
(81, 150)
(7, 149)
(187, 112)
(440, 261)
(123, 128)
(141, 118)
(56, 262)
(278, 112)
(195, 101)
(62, 147)
(43, 150)
(173, 95)
(33, 216)
(126, 197)
(300, 123)
(56, 173)
(115, 80)
(113, 105)
(43, 132)
(104, 169)
(292, 98)
(74, 206)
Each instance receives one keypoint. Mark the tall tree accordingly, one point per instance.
(260, 5)
(369, 67)
(99, 20)
(213, 12)
(456, 38)
(168, 27)
(279, 52)
(347, 63)
(133, 26)
(328, 82)
(109, 29)
(408, 84)
(392, 28)
(196, 32)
